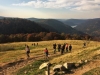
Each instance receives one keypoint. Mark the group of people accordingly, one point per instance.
(61, 48)
(34, 44)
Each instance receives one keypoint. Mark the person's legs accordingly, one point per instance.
(54, 51)
(70, 50)
(46, 55)
(66, 49)
(62, 51)
(28, 55)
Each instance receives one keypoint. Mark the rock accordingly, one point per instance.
(80, 61)
(25, 72)
(43, 65)
(77, 64)
(57, 67)
(85, 61)
(46, 72)
(69, 65)
(65, 65)
(51, 72)
(30, 65)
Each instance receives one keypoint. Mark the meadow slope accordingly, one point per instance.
(13, 57)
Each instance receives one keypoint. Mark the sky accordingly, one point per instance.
(56, 9)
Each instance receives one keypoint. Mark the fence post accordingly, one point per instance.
(48, 69)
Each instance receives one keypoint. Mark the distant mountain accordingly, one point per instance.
(73, 22)
(91, 27)
(17, 25)
(57, 26)
(1, 17)
(30, 25)
(32, 19)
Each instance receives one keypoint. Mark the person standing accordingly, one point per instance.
(27, 51)
(59, 47)
(54, 47)
(62, 49)
(34, 44)
(37, 44)
(66, 47)
(70, 47)
(84, 45)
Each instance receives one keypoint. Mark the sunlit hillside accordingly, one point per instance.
(11, 52)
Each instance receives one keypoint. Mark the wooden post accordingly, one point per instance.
(48, 69)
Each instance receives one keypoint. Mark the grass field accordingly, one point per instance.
(10, 52)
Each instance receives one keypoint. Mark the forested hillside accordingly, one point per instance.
(91, 27)
(72, 22)
(57, 26)
(17, 25)
(17, 29)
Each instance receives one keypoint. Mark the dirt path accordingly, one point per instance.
(10, 68)
(87, 67)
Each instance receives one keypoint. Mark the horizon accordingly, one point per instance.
(49, 18)
(51, 9)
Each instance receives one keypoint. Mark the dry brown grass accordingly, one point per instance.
(19, 52)
(78, 52)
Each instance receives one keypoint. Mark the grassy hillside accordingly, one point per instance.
(15, 51)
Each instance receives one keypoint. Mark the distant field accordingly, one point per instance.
(10, 52)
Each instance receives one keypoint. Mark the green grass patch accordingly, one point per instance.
(32, 69)
(95, 71)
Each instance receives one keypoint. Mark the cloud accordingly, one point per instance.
(82, 5)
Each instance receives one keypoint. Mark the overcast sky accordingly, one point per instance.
(58, 9)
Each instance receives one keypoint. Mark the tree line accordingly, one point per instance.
(42, 36)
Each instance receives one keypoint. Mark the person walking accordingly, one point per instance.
(46, 53)
(70, 47)
(27, 51)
